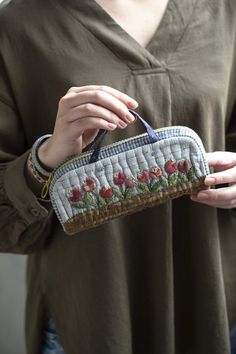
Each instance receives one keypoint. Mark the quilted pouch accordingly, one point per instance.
(128, 176)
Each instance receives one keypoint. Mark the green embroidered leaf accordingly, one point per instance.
(101, 202)
(173, 179)
(110, 201)
(79, 205)
(191, 174)
(164, 181)
(90, 200)
(117, 194)
(143, 187)
(128, 193)
(155, 187)
(182, 177)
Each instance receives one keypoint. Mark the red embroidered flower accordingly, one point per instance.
(89, 185)
(129, 182)
(171, 166)
(106, 192)
(76, 195)
(119, 179)
(155, 172)
(143, 176)
(183, 166)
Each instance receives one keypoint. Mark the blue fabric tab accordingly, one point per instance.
(96, 145)
(152, 135)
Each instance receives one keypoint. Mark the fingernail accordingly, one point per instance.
(129, 118)
(132, 104)
(210, 181)
(122, 124)
(202, 195)
(111, 126)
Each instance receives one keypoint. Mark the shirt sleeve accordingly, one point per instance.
(24, 219)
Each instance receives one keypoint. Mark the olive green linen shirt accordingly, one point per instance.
(162, 281)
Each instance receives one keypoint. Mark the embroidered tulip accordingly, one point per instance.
(155, 172)
(183, 166)
(89, 185)
(76, 195)
(143, 176)
(129, 182)
(171, 166)
(119, 179)
(106, 193)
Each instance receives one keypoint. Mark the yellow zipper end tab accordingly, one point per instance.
(45, 189)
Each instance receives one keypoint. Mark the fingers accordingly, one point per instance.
(91, 110)
(225, 163)
(92, 123)
(218, 198)
(96, 97)
(221, 160)
(81, 113)
(223, 177)
(127, 100)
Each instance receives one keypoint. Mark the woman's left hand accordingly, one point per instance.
(224, 165)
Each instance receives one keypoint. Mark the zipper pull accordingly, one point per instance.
(46, 185)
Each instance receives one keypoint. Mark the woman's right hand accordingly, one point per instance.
(81, 113)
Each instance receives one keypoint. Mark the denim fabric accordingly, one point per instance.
(233, 340)
(51, 344)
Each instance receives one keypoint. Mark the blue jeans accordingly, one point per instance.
(51, 344)
(233, 340)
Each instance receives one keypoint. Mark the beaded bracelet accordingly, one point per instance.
(38, 165)
(31, 166)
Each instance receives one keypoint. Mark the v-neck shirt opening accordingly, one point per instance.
(94, 18)
(145, 47)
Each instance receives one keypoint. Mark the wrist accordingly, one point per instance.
(51, 154)
(46, 156)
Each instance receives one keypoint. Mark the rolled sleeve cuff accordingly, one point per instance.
(29, 207)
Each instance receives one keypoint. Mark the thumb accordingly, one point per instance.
(221, 160)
